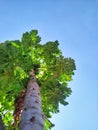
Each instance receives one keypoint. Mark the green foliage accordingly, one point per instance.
(53, 73)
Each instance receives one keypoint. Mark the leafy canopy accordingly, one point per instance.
(53, 72)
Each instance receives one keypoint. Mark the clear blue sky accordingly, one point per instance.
(74, 23)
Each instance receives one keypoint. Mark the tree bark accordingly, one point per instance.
(2, 127)
(32, 117)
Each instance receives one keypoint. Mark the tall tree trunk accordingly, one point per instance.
(32, 117)
(2, 127)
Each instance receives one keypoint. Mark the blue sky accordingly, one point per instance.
(74, 23)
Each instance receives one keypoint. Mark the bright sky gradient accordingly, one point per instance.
(74, 23)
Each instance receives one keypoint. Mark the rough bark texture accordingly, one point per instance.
(2, 127)
(32, 117)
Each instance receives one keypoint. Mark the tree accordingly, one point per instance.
(25, 65)
(2, 127)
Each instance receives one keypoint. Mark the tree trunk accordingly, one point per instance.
(2, 127)
(32, 117)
